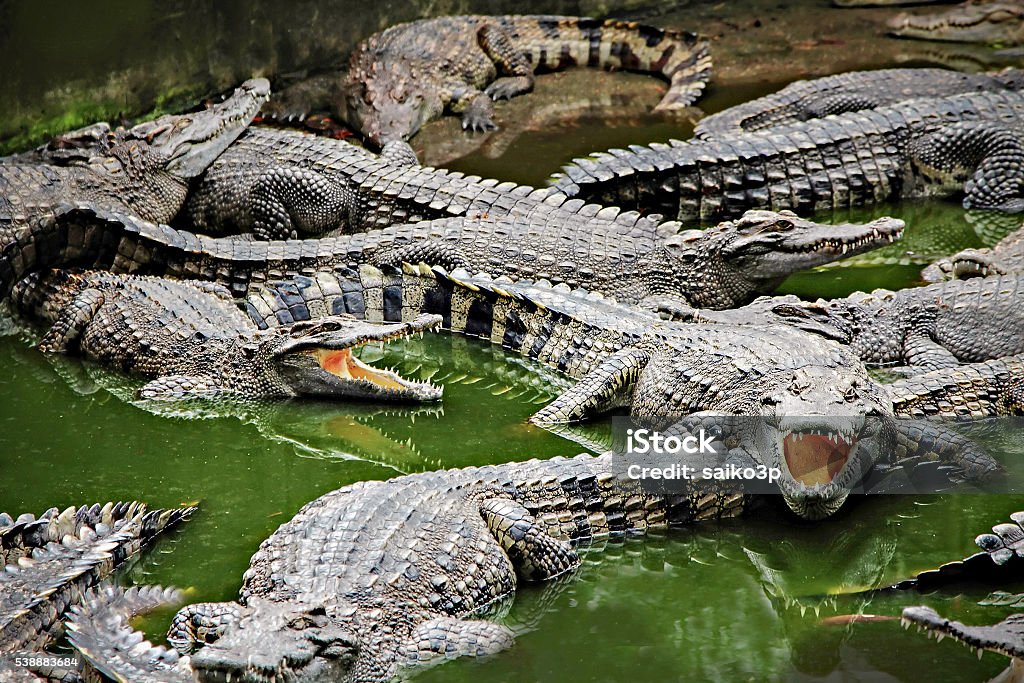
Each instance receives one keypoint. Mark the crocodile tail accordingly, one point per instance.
(681, 57)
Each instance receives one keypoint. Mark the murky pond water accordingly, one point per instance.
(743, 600)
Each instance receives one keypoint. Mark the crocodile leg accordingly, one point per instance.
(536, 555)
(286, 201)
(72, 321)
(399, 153)
(923, 353)
(498, 45)
(607, 386)
(201, 622)
(443, 639)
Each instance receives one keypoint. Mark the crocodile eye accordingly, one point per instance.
(783, 225)
(851, 393)
(248, 351)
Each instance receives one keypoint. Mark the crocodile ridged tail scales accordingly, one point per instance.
(863, 157)
(52, 559)
(683, 58)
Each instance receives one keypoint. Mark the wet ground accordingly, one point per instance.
(747, 600)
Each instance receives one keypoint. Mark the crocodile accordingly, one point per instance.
(719, 267)
(411, 73)
(1000, 559)
(145, 169)
(49, 561)
(280, 184)
(1005, 257)
(931, 147)
(996, 22)
(927, 328)
(194, 342)
(885, 3)
(846, 92)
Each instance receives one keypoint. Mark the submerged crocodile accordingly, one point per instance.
(1000, 560)
(719, 267)
(932, 147)
(145, 170)
(995, 22)
(51, 560)
(410, 73)
(194, 342)
(937, 326)
(846, 92)
(279, 183)
(1005, 257)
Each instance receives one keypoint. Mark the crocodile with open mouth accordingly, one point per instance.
(49, 561)
(993, 22)
(1004, 258)
(145, 169)
(935, 147)
(194, 342)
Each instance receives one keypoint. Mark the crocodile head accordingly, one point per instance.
(316, 358)
(188, 143)
(807, 408)
(274, 642)
(1005, 638)
(991, 23)
(389, 102)
(724, 266)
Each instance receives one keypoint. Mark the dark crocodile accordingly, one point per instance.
(996, 22)
(846, 92)
(719, 267)
(408, 74)
(194, 342)
(1005, 257)
(1001, 559)
(51, 560)
(938, 326)
(932, 147)
(279, 183)
(145, 169)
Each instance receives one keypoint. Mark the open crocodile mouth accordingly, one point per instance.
(815, 456)
(343, 364)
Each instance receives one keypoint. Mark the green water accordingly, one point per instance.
(727, 602)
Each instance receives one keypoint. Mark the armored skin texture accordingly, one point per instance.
(411, 73)
(846, 92)
(193, 340)
(938, 326)
(279, 184)
(111, 649)
(145, 170)
(991, 22)
(720, 267)
(935, 147)
(50, 561)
